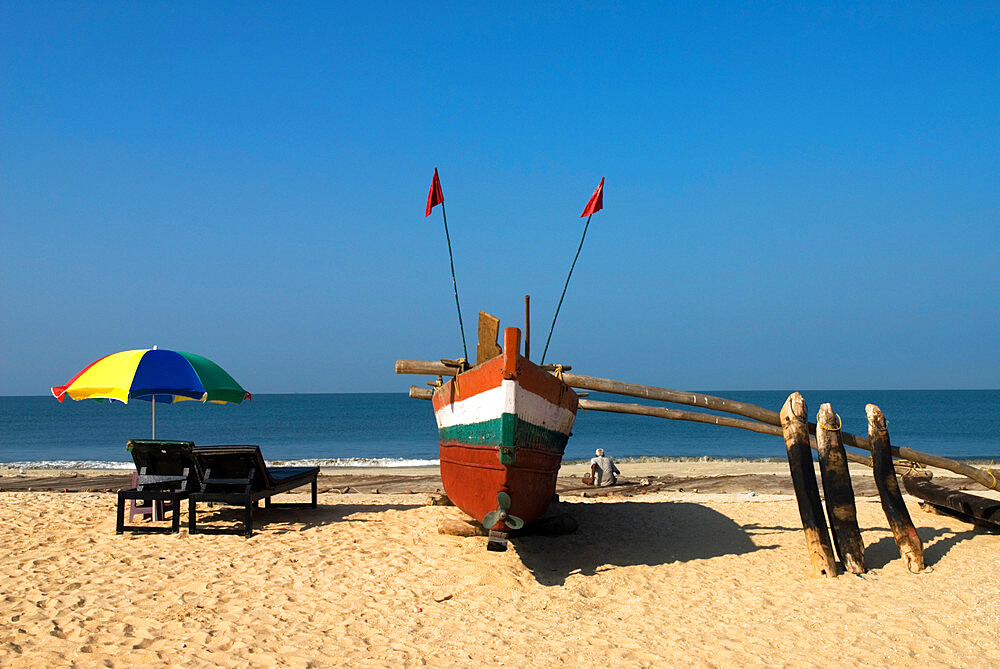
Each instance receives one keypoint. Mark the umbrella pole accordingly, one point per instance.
(154, 416)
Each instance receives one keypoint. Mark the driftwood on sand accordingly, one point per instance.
(793, 420)
(980, 511)
(838, 492)
(910, 547)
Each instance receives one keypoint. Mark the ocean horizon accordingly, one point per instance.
(390, 429)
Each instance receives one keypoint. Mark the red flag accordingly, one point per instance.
(596, 201)
(435, 196)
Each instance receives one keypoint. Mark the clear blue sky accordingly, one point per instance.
(797, 197)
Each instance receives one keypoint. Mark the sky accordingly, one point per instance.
(798, 196)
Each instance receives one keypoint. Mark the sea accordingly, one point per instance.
(390, 429)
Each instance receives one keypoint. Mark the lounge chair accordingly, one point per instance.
(239, 476)
(167, 473)
(146, 508)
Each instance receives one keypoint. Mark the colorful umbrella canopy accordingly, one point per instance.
(155, 375)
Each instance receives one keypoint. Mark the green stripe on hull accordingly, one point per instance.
(508, 433)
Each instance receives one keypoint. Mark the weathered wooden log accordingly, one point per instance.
(439, 499)
(838, 493)
(800, 463)
(980, 511)
(461, 528)
(982, 477)
(910, 547)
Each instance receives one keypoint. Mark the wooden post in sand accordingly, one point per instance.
(910, 547)
(838, 491)
(795, 429)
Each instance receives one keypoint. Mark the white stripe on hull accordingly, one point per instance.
(509, 397)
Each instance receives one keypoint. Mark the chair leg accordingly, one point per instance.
(120, 515)
(192, 517)
(141, 508)
(175, 524)
(248, 519)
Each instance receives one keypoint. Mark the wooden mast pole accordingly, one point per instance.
(527, 327)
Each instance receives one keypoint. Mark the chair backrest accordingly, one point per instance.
(166, 458)
(235, 462)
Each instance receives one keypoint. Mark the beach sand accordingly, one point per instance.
(666, 578)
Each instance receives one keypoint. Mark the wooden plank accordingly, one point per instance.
(838, 493)
(489, 331)
(910, 547)
(796, 433)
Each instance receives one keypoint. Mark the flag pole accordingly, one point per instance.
(454, 283)
(546, 349)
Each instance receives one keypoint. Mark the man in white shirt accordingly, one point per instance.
(603, 469)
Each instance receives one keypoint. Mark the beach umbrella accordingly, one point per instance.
(154, 375)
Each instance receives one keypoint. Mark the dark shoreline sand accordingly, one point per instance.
(727, 477)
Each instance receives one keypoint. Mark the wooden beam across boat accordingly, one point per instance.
(759, 414)
(421, 393)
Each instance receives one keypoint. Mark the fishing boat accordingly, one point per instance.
(503, 424)
(502, 427)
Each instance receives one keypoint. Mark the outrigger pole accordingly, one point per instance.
(763, 421)
(595, 204)
(436, 197)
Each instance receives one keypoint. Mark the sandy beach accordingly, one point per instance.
(671, 577)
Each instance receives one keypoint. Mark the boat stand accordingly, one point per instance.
(497, 541)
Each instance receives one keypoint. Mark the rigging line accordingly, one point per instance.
(559, 306)
(454, 283)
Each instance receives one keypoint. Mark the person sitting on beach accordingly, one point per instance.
(603, 469)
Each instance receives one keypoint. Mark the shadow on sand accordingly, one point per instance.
(278, 520)
(937, 542)
(633, 533)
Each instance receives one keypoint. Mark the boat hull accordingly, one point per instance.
(503, 428)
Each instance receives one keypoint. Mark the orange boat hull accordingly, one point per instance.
(503, 428)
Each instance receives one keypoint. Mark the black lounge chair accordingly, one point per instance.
(239, 476)
(167, 472)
